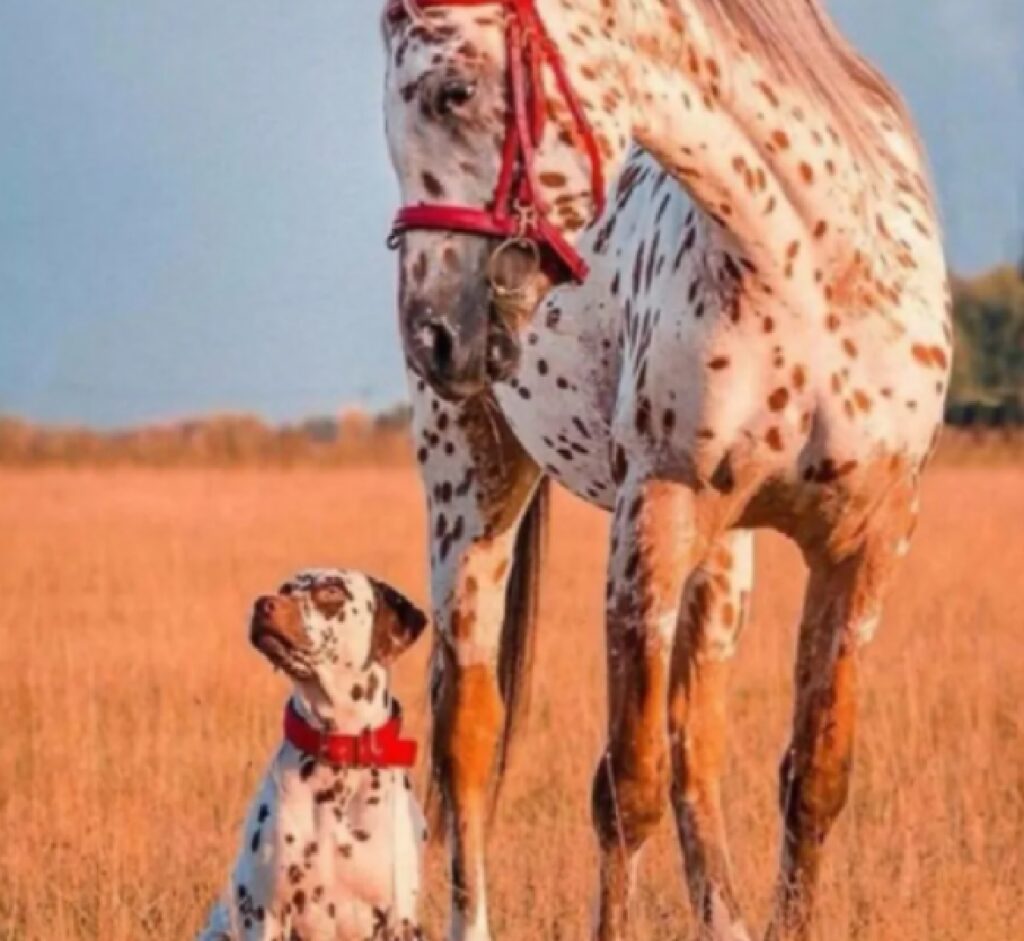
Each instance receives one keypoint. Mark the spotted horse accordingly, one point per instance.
(682, 257)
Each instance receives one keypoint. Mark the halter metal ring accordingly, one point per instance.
(516, 241)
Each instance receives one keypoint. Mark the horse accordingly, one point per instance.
(682, 257)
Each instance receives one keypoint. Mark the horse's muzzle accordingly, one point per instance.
(458, 359)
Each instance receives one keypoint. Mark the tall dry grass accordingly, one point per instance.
(136, 720)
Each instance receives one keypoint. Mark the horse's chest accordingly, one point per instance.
(561, 402)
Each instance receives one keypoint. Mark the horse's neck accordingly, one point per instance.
(758, 154)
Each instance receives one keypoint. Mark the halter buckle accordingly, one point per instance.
(526, 217)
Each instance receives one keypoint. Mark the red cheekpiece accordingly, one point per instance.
(517, 209)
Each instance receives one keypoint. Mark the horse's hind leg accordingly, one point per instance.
(841, 610)
(652, 551)
(711, 619)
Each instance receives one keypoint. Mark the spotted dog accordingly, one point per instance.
(331, 846)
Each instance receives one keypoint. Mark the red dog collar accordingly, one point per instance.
(517, 210)
(374, 748)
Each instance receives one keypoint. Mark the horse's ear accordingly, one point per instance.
(397, 622)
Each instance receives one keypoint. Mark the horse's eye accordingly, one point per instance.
(452, 94)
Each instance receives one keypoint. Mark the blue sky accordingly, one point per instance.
(194, 194)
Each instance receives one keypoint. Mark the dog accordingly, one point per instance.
(332, 843)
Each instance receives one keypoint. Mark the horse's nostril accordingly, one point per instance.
(443, 349)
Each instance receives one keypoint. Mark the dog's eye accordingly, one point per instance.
(453, 94)
(286, 590)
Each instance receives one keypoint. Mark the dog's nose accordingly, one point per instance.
(266, 607)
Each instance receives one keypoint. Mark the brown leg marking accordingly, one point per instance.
(814, 784)
(467, 723)
(710, 621)
(844, 594)
(651, 549)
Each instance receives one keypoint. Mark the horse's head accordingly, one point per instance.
(503, 128)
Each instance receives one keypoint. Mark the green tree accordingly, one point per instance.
(989, 339)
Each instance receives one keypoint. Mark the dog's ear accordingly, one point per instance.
(397, 623)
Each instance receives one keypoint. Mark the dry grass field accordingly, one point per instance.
(136, 719)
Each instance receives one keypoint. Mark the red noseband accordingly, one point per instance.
(518, 210)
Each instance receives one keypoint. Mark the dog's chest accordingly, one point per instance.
(343, 848)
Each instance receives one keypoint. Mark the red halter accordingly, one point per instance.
(518, 210)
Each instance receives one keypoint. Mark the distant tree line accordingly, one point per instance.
(987, 392)
(353, 438)
(988, 368)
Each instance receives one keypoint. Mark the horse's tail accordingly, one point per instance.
(518, 632)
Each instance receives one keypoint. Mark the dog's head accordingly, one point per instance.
(327, 628)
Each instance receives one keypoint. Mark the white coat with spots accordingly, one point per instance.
(763, 340)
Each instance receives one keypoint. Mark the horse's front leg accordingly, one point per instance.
(486, 502)
(711, 620)
(653, 549)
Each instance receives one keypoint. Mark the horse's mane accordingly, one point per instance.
(799, 41)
